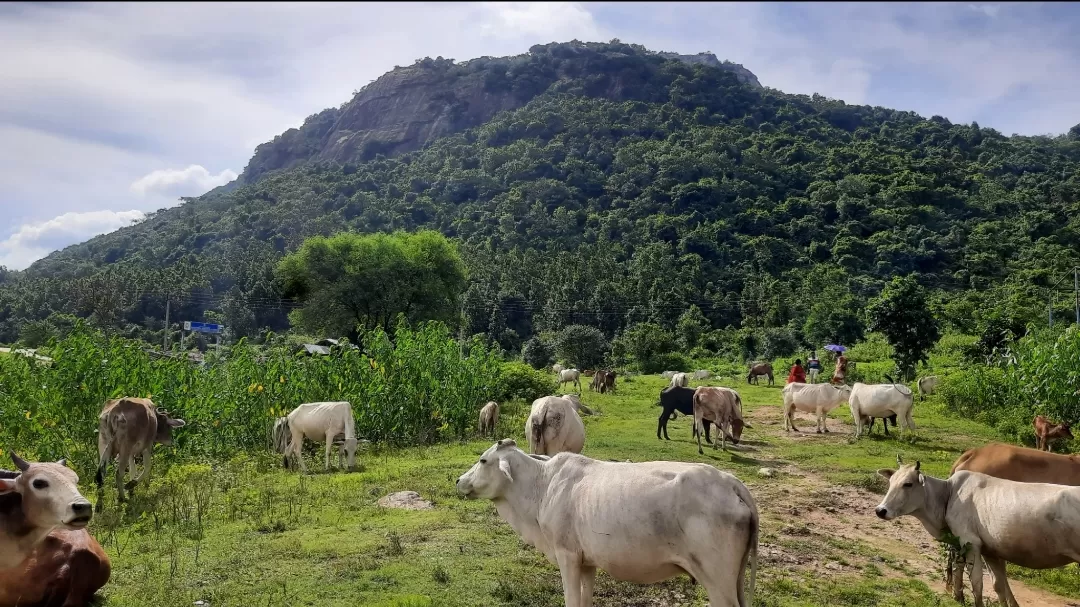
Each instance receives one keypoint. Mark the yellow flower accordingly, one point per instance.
(27, 415)
(260, 388)
(282, 379)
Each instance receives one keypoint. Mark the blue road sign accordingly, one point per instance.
(203, 327)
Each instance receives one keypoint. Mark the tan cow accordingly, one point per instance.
(723, 407)
(1020, 464)
(1047, 431)
(489, 417)
(759, 369)
(128, 427)
(46, 555)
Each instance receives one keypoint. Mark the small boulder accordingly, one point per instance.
(768, 472)
(406, 500)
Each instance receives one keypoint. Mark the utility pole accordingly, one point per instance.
(165, 345)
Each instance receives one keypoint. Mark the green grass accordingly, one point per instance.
(249, 533)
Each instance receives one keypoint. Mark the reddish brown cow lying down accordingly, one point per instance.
(47, 558)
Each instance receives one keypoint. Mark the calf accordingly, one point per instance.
(640, 522)
(489, 417)
(1045, 431)
(609, 382)
(128, 427)
(724, 407)
(679, 399)
(1033, 525)
(47, 558)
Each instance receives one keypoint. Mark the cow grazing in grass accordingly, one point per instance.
(681, 400)
(640, 522)
(489, 418)
(318, 422)
(927, 386)
(724, 407)
(128, 427)
(47, 558)
(1046, 432)
(1033, 525)
(554, 426)
(757, 370)
(570, 376)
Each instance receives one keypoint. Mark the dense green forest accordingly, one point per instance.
(629, 189)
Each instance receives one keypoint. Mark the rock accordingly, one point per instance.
(830, 509)
(833, 566)
(793, 511)
(406, 500)
(766, 472)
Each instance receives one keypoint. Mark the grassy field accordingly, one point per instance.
(247, 533)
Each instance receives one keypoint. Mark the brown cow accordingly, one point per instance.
(759, 369)
(127, 427)
(609, 382)
(1020, 464)
(723, 407)
(47, 558)
(1045, 431)
(597, 383)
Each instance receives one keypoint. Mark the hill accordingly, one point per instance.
(605, 184)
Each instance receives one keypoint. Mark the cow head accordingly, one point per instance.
(50, 494)
(1063, 431)
(490, 477)
(907, 491)
(165, 424)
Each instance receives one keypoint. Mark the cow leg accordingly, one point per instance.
(705, 425)
(121, 470)
(1001, 582)
(820, 419)
(588, 579)
(144, 469)
(885, 424)
(570, 569)
(974, 557)
(661, 425)
(329, 444)
(697, 431)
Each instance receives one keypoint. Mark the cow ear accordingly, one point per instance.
(504, 467)
(506, 443)
(7, 485)
(177, 423)
(918, 464)
(62, 461)
(886, 473)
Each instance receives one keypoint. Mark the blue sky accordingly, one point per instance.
(108, 111)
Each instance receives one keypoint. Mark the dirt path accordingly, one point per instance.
(808, 516)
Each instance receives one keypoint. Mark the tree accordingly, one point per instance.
(350, 280)
(691, 326)
(647, 345)
(537, 353)
(903, 315)
(581, 346)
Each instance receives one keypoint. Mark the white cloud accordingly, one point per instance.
(33, 241)
(192, 181)
(534, 20)
(990, 10)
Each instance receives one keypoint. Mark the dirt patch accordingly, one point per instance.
(405, 500)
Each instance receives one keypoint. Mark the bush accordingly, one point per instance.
(646, 347)
(537, 353)
(581, 347)
(520, 381)
(777, 342)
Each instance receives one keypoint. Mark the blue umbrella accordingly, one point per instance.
(835, 348)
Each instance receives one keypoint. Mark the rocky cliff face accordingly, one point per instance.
(407, 108)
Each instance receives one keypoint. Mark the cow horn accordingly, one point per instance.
(899, 461)
(917, 465)
(19, 462)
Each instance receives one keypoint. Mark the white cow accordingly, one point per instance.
(678, 380)
(812, 398)
(489, 417)
(640, 522)
(668, 374)
(557, 368)
(554, 426)
(702, 374)
(319, 422)
(881, 400)
(579, 406)
(927, 386)
(570, 375)
(1033, 525)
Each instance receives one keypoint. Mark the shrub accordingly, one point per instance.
(645, 346)
(537, 353)
(581, 346)
(520, 381)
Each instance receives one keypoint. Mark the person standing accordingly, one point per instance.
(841, 369)
(813, 367)
(797, 374)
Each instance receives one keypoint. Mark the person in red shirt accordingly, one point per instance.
(797, 373)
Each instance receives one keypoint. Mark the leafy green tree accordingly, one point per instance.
(581, 346)
(691, 326)
(350, 280)
(646, 346)
(902, 313)
(537, 353)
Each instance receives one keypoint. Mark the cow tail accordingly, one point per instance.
(538, 434)
(738, 401)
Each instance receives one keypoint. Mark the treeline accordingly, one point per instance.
(631, 192)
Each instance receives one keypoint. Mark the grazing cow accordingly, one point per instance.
(678, 380)
(679, 399)
(588, 373)
(489, 417)
(599, 381)
(869, 422)
(575, 399)
(1033, 525)
(318, 422)
(757, 370)
(724, 407)
(128, 427)
(570, 376)
(554, 426)
(701, 374)
(1020, 464)
(1045, 431)
(557, 368)
(927, 386)
(640, 522)
(812, 398)
(609, 382)
(881, 400)
(47, 558)
(670, 374)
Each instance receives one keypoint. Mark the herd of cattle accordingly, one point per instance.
(585, 514)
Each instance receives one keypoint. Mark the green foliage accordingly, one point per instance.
(691, 326)
(34, 334)
(581, 347)
(520, 381)
(902, 314)
(646, 347)
(350, 280)
(418, 389)
(538, 353)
